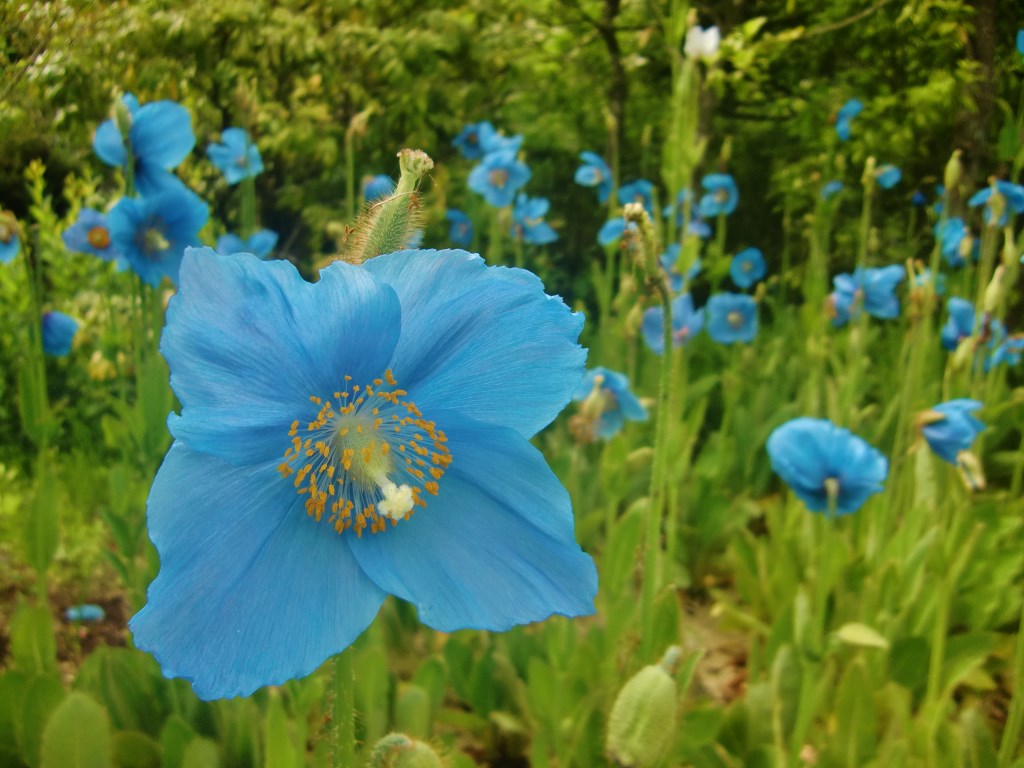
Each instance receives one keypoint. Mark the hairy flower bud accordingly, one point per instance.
(396, 750)
(642, 721)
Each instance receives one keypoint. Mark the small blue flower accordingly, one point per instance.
(10, 237)
(960, 324)
(956, 241)
(58, 331)
(151, 233)
(872, 288)
(924, 277)
(272, 560)
(747, 267)
(639, 191)
(498, 176)
(160, 136)
(528, 222)
(722, 196)
(845, 116)
(377, 186)
(686, 323)
(461, 230)
(888, 176)
(918, 200)
(1020, 41)
(468, 141)
(614, 401)
(85, 613)
(259, 244)
(91, 234)
(612, 230)
(236, 156)
(700, 228)
(682, 198)
(831, 189)
(595, 173)
(817, 459)
(950, 428)
(1003, 349)
(1013, 197)
(731, 317)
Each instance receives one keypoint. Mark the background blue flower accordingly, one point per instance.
(950, 428)
(888, 176)
(528, 220)
(58, 331)
(638, 191)
(91, 234)
(87, 612)
(498, 176)
(595, 173)
(960, 323)
(377, 186)
(731, 317)
(236, 156)
(747, 267)
(845, 116)
(831, 189)
(460, 231)
(10, 240)
(686, 323)
(722, 196)
(618, 404)
(951, 236)
(612, 230)
(870, 288)
(259, 244)
(1013, 199)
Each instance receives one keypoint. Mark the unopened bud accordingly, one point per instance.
(994, 291)
(122, 117)
(642, 721)
(996, 206)
(396, 750)
(634, 319)
(639, 460)
(868, 178)
(415, 162)
(954, 172)
(1009, 252)
(971, 471)
(964, 352)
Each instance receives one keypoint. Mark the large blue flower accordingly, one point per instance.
(260, 243)
(1013, 200)
(595, 173)
(960, 324)
(315, 418)
(950, 428)
(871, 288)
(613, 401)
(722, 196)
(236, 156)
(818, 459)
(687, 322)
(10, 237)
(747, 267)
(528, 222)
(731, 317)
(498, 176)
(845, 116)
(461, 230)
(639, 191)
(160, 135)
(58, 331)
(151, 233)
(91, 234)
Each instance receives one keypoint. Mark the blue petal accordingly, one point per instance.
(484, 340)
(249, 342)
(108, 144)
(652, 331)
(228, 244)
(162, 133)
(495, 548)
(263, 242)
(251, 592)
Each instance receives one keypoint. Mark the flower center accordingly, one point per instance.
(154, 242)
(498, 177)
(735, 319)
(6, 232)
(98, 237)
(366, 457)
(746, 266)
(721, 196)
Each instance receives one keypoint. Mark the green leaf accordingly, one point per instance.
(280, 751)
(134, 749)
(41, 526)
(174, 740)
(42, 696)
(32, 641)
(201, 753)
(77, 736)
(861, 635)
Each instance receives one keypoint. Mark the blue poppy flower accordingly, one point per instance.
(236, 156)
(918, 200)
(700, 228)
(612, 230)
(747, 267)
(639, 191)
(950, 428)
(259, 244)
(58, 331)
(315, 419)
(960, 324)
(817, 459)
(528, 222)
(1013, 198)
(1020, 41)
(595, 173)
(91, 234)
(687, 322)
(377, 186)
(845, 116)
(615, 403)
(888, 176)
(461, 230)
(85, 613)
(955, 240)
(731, 317)
(679, 208)
(161, 137)
(10, 237)
(1003, 349)
(924, 277)
(151, 233)
(831, 189)
(722, 196)
(871, 288)
(468, 140)
(498, 176)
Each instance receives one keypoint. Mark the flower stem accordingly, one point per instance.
(344, 711)
(1015, 720)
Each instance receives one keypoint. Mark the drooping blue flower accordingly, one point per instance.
(10, 237)
(722, 196)
(687, 322)
(528, 222)
(614, 402)
(58, 331)
(1013, 199)
(747, 267)
(498, 176)
(845, 116)
(1003, 348)
(956, 241)
(731, 317)
(259, 244)
(271, 558)
(237, 157)
(91, 234)
(161, 137)
(950, 428)
(638, 191)
(151, 233)
(612, 230)
(595, 173)
(960, 324)
(817, 459)
(461, 230)
(669, 261)
(84, 613)
(918, 200)
(377, 186)
(831, 189)
(871, 288)
(888, 176)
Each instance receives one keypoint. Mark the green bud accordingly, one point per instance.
(1009, 252)
(412, 711)
(641, 725)
(634, 319)
(994, 291)
(639, 460)
(954, 172)
(396, 750)
(964, 353)
(868, 179)
(122, 117)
